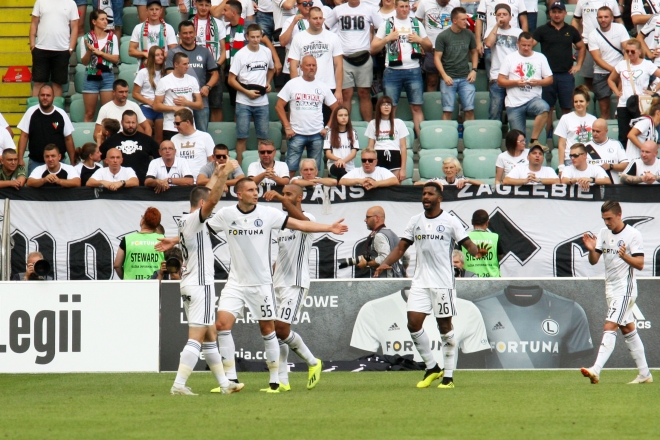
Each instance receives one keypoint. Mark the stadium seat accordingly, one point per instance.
(614, 100)
(133, 68)
(409, 168)
(438, 123)
(481, 83)
(570, 10)
(173, 17)
(613, 128)
(481, 105)
(77, 110)
(362, 138)
(529, 127)
(359, 124)
(542, 18)
(439, 137)
(124, 57)
(432, 106)
(58, 101)
(430, 162)
(76, 96)
(129, 77)
(480, 164)
(403, 110)
(272, 101)
(79, 78)
(252, 156)
(78, 50)
(223, 133)
(86, 24)
(131, 19)
(228, 110)
(355, 108)
(274, 134)
(83, 133)
(411, 134)
(483, 135)
(554, 161)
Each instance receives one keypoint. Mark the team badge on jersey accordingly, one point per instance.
(440, 228)
(258, 223)
(620, 243)
(550, 327)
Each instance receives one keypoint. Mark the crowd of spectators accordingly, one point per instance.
(315, 56)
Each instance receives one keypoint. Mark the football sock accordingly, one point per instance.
(272, 355)
(449, 353)
(296, 343)
(227, 349)
(605, 350)
(636, 348)
(423, 346)
(214, 361)
(283, 368)
(189, 357)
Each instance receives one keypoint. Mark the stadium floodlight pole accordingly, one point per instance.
(5, 251)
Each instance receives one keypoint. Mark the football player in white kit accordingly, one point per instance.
(291, 281)
(433, 290)
(197, 283)
(247, 227)
(623, 252)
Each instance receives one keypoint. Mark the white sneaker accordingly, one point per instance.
(182, 391)
(642, 379)
(232, 388)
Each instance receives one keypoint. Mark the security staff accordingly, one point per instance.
(136, 258)
(489, 265)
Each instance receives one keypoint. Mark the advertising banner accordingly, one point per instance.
(78, 326)
(501, 323)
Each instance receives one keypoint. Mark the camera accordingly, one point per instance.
(173, 265)
(41, 270)
(345, 262)
(457, 272)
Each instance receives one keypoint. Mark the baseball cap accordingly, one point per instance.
(533, 147)
(151, 2)
(558, 5)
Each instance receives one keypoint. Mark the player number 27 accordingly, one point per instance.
(266, 311)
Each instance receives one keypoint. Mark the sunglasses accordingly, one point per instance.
(221, 156)
(266, 151)
(306, 4)
(575, 156)
(368, 160)
(176, 124)
(631, 51)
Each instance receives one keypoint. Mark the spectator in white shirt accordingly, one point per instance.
(193, 146)
(309, 175)
(53, 173)
(606, 152)
(144, 90)
(534, 173)
(152, 32)
(168, 170)
(267, 170)
(115, 110)
(645, 170)
(369, 175)
(582, 173)
(643, 129)
(114, 176)
(515, 154)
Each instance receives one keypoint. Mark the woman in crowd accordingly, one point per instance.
(90, 158)
(574, 127)
(453, 175)
(99, 52)
(643, 129)
(387, 135)
(516, 153)
(387, 9)
(142, 243)
(341, 143)
(643, 69)
(144, 89)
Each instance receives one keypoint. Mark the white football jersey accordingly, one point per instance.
(197, 250)
(292, 264)
(248, 235)
(620, 277)
(381, 323)
(434, 240)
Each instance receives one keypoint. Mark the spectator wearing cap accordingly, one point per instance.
(533, 173)
(369, 175)
(557, 39)
(152, 32)
(53, 34)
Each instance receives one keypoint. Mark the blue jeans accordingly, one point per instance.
(465, 92)
(297, 144)
(531, 20)
(517, 115)
(497, 96)
(202, 119)
(260, 115)
(561, 89)
(117, 11)
(410, 79)
(488, 58)
(266, 22)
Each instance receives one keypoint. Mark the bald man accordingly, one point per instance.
(606, 152)
(380, 242)
(114, 176)
(646, 169)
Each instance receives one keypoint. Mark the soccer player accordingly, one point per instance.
(250, 284)
(435, 233)
(197, 285)
(623, 252)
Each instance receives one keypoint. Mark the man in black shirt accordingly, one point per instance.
(557, 40)
(136, 147)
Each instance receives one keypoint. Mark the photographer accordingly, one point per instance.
(458, 261)
(36, 269)
(380, 243)
(170, 269)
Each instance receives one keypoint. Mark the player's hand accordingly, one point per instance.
(622, 250)
(482, 250)
(381, 268)
(273, 195)
(338, 228)
(589, 241)
(165, 244)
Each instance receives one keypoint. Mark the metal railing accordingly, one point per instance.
(5, 245)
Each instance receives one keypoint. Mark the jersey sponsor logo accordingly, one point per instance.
(246, 232)
(408, 346)
(526, 346)
(498, 326)
(550, 327)
(429, 237)
(285, 238)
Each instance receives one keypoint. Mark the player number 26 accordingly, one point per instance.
(443, 308)
(266, 311)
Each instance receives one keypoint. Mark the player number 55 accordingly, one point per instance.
(266, 312)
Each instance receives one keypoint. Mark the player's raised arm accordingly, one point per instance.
(394, 256)
(336, 228)
(216, 185)
(590, 243)
(290, 208)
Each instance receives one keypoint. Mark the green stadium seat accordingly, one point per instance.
(432, 106)
(131, 19)
(554, 161)
(274, 134)
(483, 135)
(355, 108)
(555, 138)
(362, 138)
(541, 18)
(79, 78)
(439, 137)
(124, 57)
(409, 167)
(76, 96)
(133, 68)
(480, 164)
(78, 50)
(403, 110)
(570, 10)
(223, 133)
(411, 134)
(77, 110)
(86, 24)
(272, 101)
(438, 123)
(173, 17)
(430, 162)
(228, 111)
(481, 83)
(129, 77)
(481, 105)
(83, 133)
(359, 123)
(529, 127)
(613, 129)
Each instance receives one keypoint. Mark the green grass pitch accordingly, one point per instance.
(487, 404)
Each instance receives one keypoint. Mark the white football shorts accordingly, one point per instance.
(260, 301)
(619, 309)
(289, 302)
(439, 302)
(199, 304)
